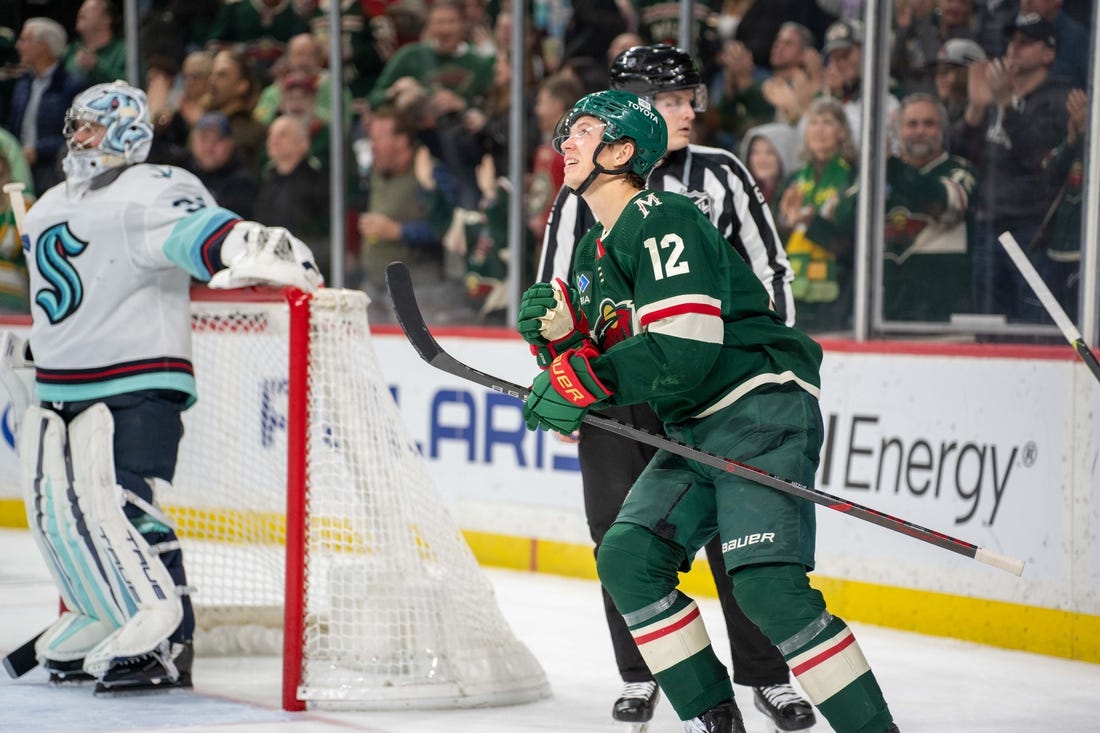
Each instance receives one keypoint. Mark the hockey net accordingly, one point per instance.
(309, 522)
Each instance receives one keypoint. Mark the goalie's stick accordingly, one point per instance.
(412, 323)
(14, 191)
(1065, 325)
(22, 660)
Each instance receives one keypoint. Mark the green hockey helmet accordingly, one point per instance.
(625, 115)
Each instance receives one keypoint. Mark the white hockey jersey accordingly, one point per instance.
(110, 278)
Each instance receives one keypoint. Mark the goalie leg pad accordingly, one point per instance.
(61, 532)
(145, 589)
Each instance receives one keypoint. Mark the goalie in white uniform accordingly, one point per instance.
(112, 253)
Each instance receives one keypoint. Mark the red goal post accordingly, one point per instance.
(310, 526)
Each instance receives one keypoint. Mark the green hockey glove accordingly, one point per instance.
(550, 320)
(562, 394)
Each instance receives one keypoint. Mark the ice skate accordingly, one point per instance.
(785, 707)
(67, 673)
(723, 718)
(636, 704)
(168, 668)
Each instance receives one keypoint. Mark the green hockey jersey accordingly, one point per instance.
(680, 319)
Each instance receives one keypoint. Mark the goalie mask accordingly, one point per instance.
(106, 127)
(625, 115)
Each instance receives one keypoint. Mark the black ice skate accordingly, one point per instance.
(786, 708)
(67, 673)
(165, 669)
(636, 704)
(724, 718)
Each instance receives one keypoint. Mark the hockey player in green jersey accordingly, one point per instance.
(661, 310)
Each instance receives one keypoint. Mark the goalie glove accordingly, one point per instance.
(16, 377)
(563, 394)
(550, 320)
(254, 254)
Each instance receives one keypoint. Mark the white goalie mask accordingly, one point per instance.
(112, 121)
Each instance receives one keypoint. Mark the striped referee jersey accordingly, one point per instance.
(721, 187)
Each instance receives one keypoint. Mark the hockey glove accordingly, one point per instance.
(550, 320)
(562, 394)
(254, 254)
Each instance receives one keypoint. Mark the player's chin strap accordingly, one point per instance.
(597, 169)
(105, 567)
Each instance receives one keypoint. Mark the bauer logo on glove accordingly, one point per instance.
(562, 395)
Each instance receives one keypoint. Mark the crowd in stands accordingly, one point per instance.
(987, 113)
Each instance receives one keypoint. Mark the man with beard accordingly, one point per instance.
(926, 265)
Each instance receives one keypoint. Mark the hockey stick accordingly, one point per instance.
(412, 323)
(22, 660)
(19, 209)
(1065, 325)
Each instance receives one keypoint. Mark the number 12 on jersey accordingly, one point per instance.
(672, 264)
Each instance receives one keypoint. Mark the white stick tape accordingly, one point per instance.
(1023, 264)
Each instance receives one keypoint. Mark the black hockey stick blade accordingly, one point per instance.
(1050, 303)
(22, 660)
(416, 331)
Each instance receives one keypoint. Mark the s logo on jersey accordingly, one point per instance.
(54, 249)
(614, 324)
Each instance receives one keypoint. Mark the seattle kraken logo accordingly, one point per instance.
(56, 245)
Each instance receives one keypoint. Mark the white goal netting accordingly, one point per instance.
(387, 606)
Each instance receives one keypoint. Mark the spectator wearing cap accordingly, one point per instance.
(217, 162)
(303, 59)
(1016, 114)
(843, 74)
(952, 66)
(299, 100)
(921, 27)
(1071, 38)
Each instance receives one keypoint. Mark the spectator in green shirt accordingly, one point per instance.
(98, 56)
